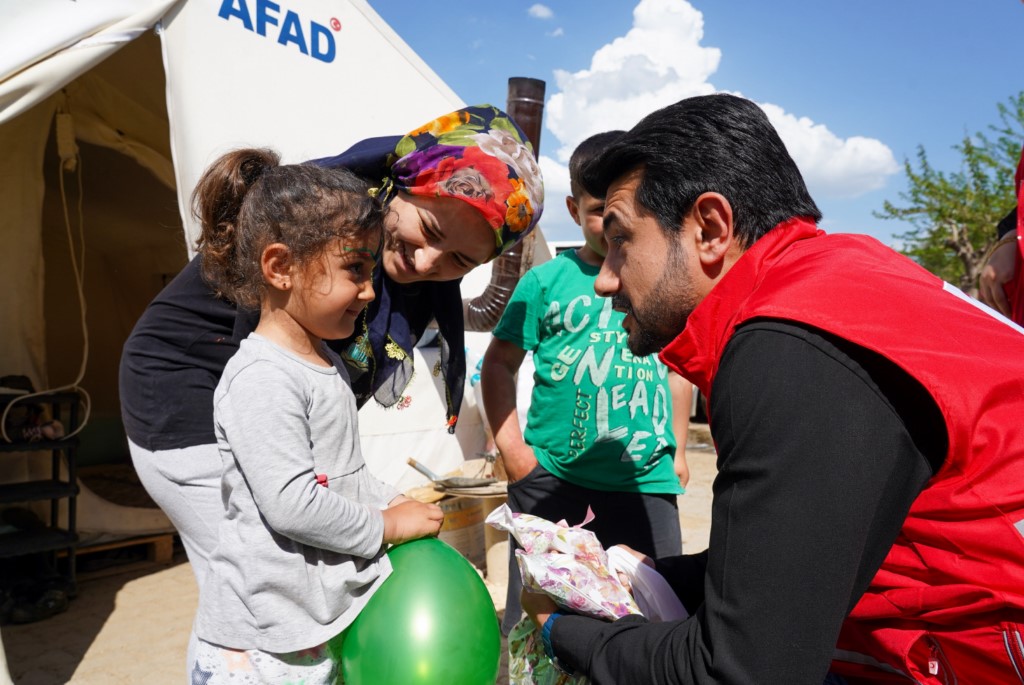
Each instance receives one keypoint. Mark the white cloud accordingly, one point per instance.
(556, 178)
(555, 221)
(557, 33)
(660, 60)
(539, 11)
(831, 165)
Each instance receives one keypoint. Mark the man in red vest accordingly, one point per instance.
(1001, 285)
(868, 513)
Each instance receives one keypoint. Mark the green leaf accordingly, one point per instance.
(953, 214)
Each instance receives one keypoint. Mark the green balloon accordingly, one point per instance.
(431, 622)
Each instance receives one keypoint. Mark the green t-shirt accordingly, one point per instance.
(599, 417)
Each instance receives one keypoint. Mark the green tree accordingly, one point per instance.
(954, 214)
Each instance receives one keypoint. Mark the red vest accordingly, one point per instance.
(949, 597)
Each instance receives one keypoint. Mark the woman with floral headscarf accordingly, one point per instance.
(460, 190)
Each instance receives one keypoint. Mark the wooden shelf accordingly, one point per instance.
(33, 541)
(36, 490)
(39, 445)
(65, 407)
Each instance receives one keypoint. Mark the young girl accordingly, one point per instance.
(299, 551)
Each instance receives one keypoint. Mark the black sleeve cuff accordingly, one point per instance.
(685, 575)
(574, 638)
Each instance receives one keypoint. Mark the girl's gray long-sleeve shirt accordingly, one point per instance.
(296, 561)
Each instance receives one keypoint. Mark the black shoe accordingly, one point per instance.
(50, 603)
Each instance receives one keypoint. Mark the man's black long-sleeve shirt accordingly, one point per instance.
(822, 448)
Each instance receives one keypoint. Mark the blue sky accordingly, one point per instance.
(853, 87)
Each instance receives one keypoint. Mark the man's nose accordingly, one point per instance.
(607, 283)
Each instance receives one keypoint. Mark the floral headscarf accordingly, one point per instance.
(477, 155)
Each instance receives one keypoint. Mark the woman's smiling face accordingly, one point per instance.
(434, 239)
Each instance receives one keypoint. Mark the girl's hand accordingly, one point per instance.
(410, 520)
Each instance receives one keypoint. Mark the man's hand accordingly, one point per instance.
(537, 606)
(641, 557)
(998, 271)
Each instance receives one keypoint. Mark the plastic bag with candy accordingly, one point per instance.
(568, 564)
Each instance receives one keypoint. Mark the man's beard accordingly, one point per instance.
(658, 321)
(653, 327)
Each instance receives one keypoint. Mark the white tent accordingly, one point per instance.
(148, 92)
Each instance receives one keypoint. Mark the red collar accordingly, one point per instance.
(694, 353)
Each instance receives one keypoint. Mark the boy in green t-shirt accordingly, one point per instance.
(600, 431)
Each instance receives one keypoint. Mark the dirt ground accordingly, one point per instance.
(132, 626)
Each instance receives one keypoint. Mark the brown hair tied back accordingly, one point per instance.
(216, 203)
(246, 201)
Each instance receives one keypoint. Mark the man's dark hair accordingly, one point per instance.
(586, 152)
(712, 143)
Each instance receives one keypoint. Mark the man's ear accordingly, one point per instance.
(714, 236)
(574, 209)
(276, 264)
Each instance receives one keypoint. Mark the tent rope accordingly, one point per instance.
(71, 162)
